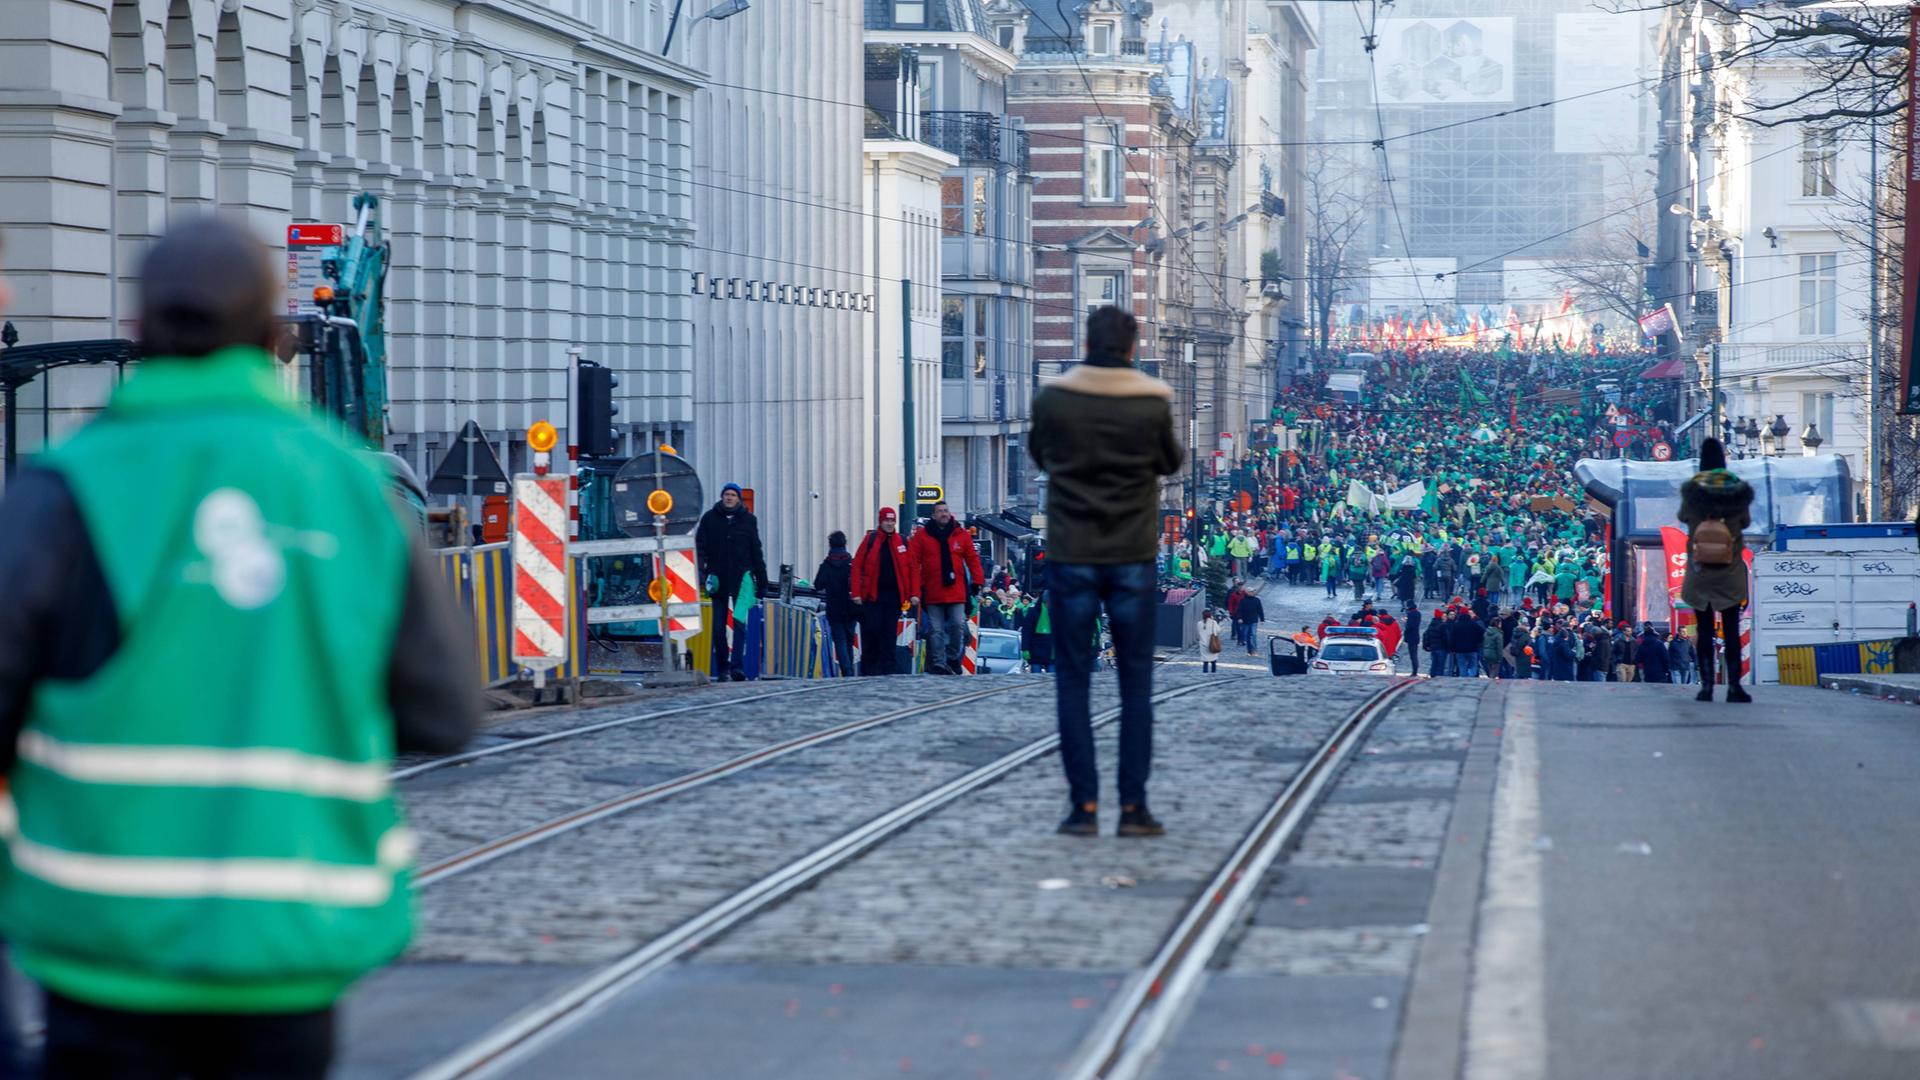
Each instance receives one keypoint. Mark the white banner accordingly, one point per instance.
(1409, 497)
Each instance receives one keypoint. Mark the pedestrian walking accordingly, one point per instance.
(1036, 635)
(883, 590)
(1716, 506)
(1493, 645)
(1520, 650)
(1211, 627)
(834, 579)
(1103, 434)
(200, 701)
(1252, 614)
(1680, 656)
(727, 543)
(1651, 654)
(1465, 635)
(1435, 641)
(1410, 629)
(944, 555)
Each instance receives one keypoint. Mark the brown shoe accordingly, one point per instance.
(1083, 821)
(1138, 821)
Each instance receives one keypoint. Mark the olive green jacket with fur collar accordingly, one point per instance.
(1104, 437)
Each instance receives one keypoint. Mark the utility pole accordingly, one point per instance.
(910, 493)
(1873, 322)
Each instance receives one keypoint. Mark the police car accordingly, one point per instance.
(1351, 650)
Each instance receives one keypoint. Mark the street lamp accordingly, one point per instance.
(726, 9)
(1810, 440)
(1777, 433)
(1749, 436)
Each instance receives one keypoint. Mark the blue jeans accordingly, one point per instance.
(1127, 590)
(1468, 664)
(1442, 665)
(840, 635)
(946, 636)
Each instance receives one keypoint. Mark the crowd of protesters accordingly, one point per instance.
(1445, 500)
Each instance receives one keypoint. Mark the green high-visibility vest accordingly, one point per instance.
(206, 824)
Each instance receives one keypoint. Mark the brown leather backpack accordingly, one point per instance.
(1713, 544)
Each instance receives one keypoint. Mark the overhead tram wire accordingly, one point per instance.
(1371, 40)
(1645, 83)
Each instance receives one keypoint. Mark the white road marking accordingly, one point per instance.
(1506, 1014)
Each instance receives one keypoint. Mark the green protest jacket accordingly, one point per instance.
(206, 823)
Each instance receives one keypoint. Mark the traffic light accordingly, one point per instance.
(597, 410)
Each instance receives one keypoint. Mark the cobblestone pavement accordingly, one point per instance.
(987, 882)
(456, 808)
(593, 894)
(1379, 832)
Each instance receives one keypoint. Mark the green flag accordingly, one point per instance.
(743, 603)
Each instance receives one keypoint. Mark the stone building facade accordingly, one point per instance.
(533, 165)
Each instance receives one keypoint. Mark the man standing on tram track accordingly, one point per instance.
(1103, 434)
(727, 542)
(218, 631)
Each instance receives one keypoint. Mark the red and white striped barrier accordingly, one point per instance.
(539, 572)
(678, 570)
(970, 662)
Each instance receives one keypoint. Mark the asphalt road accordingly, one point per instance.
(1725, 891)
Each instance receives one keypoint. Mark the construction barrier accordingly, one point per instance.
(798, 643)
(1802, 665)
(481, 579)
(714, 622)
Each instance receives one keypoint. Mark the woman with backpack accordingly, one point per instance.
(1716, 506)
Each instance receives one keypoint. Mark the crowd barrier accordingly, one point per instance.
(1802, 665)
(798, 643)
(481, 579)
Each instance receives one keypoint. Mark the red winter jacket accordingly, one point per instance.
(924, 548)
(866, 566)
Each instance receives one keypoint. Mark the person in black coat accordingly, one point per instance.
(1465, 635)
(1249, 615)
(1651, 655)
(1037, 640)
(834, 579)
(1435, 642)
(1410, 621)
(1403, 581)
(727, 543)
(1680, 657)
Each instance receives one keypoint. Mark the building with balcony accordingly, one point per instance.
(902, 179)
(532, 163)
(1780, 218)
(984, 342)
(1112, 132)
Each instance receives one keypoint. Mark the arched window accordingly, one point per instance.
(434, 132)
(489, 141)
(230, 72)
(406, 137)
(368, 129)
(333, 108)
(131, 72)
(182, 62)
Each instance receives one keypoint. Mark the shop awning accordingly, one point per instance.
(1675, 368)
(994, 523)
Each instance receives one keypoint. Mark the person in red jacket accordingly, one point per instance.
(884, 584)
(949, 567)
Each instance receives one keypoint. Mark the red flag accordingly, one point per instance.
(1674, 542)
(1566, 301)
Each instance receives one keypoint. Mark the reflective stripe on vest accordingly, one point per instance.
(303, 880)
(207, 766)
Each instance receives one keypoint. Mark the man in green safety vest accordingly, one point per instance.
(217, 634)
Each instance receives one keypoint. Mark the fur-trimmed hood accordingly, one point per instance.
(1716, 493)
